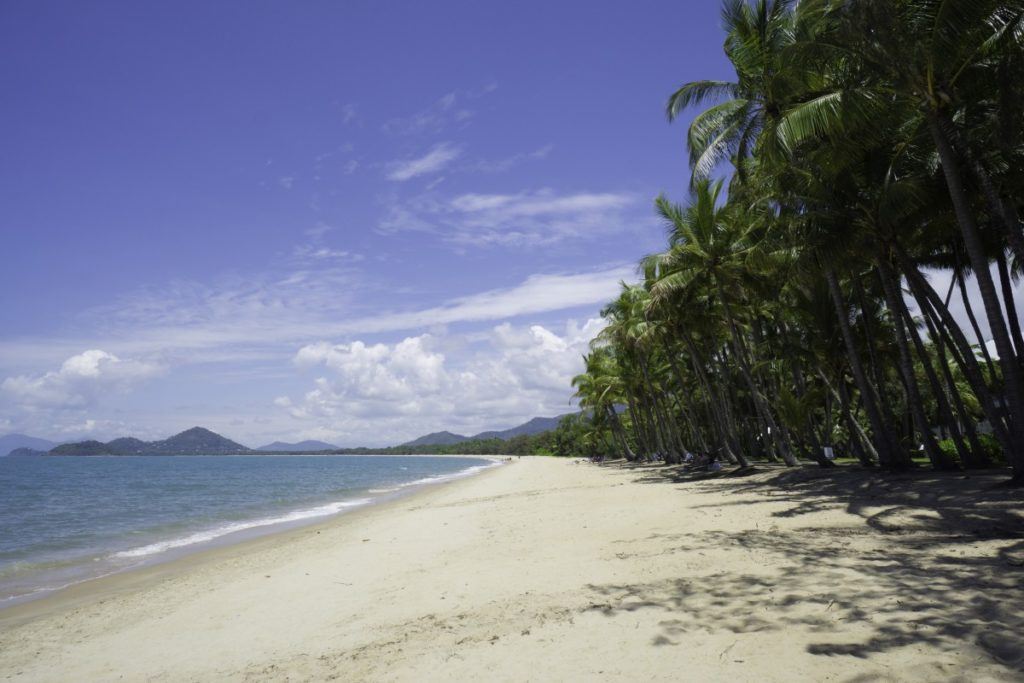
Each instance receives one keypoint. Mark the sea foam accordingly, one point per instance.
(224, 530)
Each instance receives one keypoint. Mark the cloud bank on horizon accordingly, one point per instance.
(242, 238)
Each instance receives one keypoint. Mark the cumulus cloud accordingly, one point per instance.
(78, 382)
(385, 393)
(526, 219)
(260, 317)
(399, 373)
(432, 162)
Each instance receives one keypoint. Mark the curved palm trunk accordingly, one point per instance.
(720, 410)
(975, 250)
(657, 417)
(982, 345)
(653, 425)
(884, 443)
(620, 433)
(733, 404)
(863, 444)
(1009, 304)
(672, 452)
(877, 371)
(975, 457)
(638, 427)
(906, 364)
(963, 353)
(695, 432)
(1004, 212)
(759, 401)
(656, 435)
(945, 411)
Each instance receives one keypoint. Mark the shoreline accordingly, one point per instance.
(214, 539)
(550, 570)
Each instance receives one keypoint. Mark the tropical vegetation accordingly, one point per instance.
(840, 279)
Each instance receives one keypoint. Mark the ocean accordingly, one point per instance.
(64, 520)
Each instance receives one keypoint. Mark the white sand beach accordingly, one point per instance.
(548, 570)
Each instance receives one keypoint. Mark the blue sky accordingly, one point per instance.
(355, 221)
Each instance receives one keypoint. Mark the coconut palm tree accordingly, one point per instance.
(716, 247)
(757, 36)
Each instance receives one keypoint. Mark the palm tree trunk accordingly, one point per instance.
(619, 433)
(963, 353)
(650, 410)
(884, 443)
(720, 408)
(696, 433)
(1003, 212)
(877, 371)
(638, 428)
(982, 344)
(976, 457)
(857, 434)
(906, 364)
(1009, 304)
(975, 250)
(945, 412)
(759, 401)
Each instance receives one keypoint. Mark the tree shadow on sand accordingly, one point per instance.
(937, 561)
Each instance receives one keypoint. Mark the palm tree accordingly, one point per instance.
(861, 159)
(882, 75)
(756, 38)
(717, 248)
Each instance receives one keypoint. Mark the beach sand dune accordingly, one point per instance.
(548, 570)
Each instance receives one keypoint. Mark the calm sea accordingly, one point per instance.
(67, 519)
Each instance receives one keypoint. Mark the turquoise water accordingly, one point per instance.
(67, 519)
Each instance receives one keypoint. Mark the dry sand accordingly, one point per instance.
(548, 570)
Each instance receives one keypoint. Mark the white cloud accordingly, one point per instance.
(315, 252)
(505, 164)
(432, 162)
(541, 203)
(526, 219)
(444, 112)
(286, 182)
(348, 113)
(539, 293)
(388, 393)
(78, 382)
(250, 318)
(406, 371)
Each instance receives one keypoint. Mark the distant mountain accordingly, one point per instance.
(127, 444)
(534, 426)
(10, 442)
(309, 446)
(195, 441)
(91, 447)
(25, 452)
(437, 439)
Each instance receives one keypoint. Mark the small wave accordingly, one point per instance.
(438, 478)
(211, 534)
